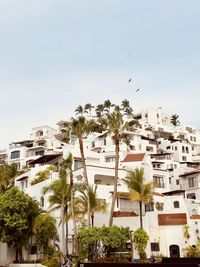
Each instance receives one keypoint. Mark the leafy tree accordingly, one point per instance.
(17, 213)
(96, 204)
(8, 172)
(45, 232)
(186, 232)
(175, 120)
(126, 107)
(139, 190)
(107, 105)
(115, 126)
(42, 176)
(59, 198)
(140, 239)
(99, 110)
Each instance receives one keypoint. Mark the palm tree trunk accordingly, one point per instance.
(141, 223)
(85, 175)
(67, 230)
(63, 230)
(74, 244)
(115, 182)
(92, 220)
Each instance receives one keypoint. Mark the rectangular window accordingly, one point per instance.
(175, 147)
(158, 181)
(183, 149)
(184, 158)
(192, 148)
(191, 182)
(155, 247)
(187, 150)
(170, 180)
(195, 139)
(104, 142)
(177, 182)
(110, 159)
(191, 138)
(77, 164)
(15, 154)
(93, 144)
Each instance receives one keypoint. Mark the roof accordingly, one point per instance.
(45, 158)
(22, 178)
(174, 192)
(189, 173)
(134, 157)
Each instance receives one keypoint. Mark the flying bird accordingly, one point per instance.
(129, 80)
(137, 89)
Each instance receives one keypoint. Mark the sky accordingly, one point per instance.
(58, 54)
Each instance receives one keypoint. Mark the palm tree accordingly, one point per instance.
(126, 107)
(80, 128)
(96, 204)
(87, 107)
(115, 126)
(99, 110)
(45, 232)
(175, 120)
(67, 164)
(79, 110)
(107, 105)
(139, 190)
(59, 199)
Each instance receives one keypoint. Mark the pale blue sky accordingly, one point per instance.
(57, 54)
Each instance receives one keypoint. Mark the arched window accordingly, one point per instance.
(194, 212)
(42, 201)
(176, 204)
(39, 133)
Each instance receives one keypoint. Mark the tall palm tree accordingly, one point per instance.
(96, 204)
(99, 110)
(89, 107)
(126, 107)
(80, 128)
(139, 190)
(67, 164)
(175, 120)
(79, 110)
(115, 126)
(107, 105)
(59, 198)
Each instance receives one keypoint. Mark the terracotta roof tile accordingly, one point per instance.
(134, 157)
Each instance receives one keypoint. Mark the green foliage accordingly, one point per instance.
(140, 239)
(53, 261)
(41, 176)
(159, 205)
(100, 241)
(186, 233)
(8, 172)
(17, 213)
(192, 251)
(45, 232)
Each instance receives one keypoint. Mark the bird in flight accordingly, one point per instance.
(129, 80)
(137, 89)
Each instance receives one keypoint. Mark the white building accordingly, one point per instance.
(169, 156)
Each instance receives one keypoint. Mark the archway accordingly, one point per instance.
(174, 251)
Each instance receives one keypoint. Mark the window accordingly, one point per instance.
(191, 138)
(39, 133)
(192, 148)
(126, 204)
(39, 153)
(177, 182)
(77, 164)
(195, 139)
(110, 159)
(176, 204)
(168, 147)
(93, 144)
(191, 196)
(175, 166)
(104, 142)
(155, 247)
(175, 147)
(42, 201)
(149, 207)
(170, 180)
(15, 154)
(184, 158)
(132, 147)
(187, 150)
(33, 250)
(191, 182)
(183, 149)
(158, 181)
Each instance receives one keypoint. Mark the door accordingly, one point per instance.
(174, 251)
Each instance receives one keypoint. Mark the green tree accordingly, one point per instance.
(186, 233)
(99, 110)
(59, 198)
(107, 105)
(126, 107)
(8, 172)
(96, 204)
(115, 126)
(45, 232)
(175, 120)
(17, 214)
(140, 239)
(79, 110)
(139, 190)
(88, 107)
